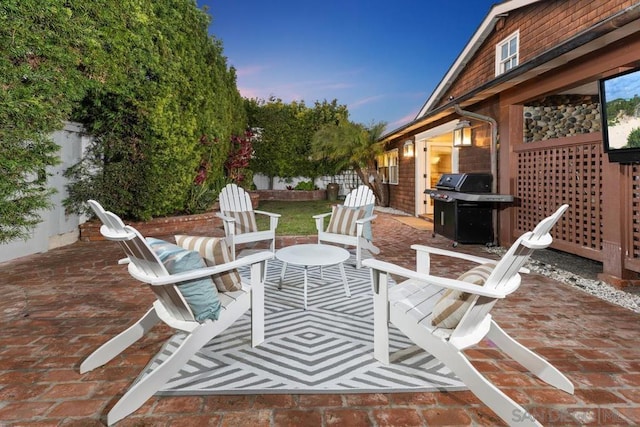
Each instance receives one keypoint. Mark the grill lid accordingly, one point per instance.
(465, 182)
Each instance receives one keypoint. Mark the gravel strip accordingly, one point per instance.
(596, 288)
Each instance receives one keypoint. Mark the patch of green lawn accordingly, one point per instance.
(296, 219)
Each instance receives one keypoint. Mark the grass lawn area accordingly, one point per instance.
(296, 219)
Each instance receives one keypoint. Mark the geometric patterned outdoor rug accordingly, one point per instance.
(326, 349)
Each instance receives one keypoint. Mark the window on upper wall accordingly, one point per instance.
(388, 166)
(507, 53)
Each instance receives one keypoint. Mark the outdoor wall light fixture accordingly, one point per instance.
(407, 149)
(462, 134)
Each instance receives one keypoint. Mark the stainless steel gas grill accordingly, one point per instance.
(463, 206)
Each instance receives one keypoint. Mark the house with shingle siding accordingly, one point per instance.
(527, 83)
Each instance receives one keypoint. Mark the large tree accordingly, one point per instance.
(348, 145)
(283, 146)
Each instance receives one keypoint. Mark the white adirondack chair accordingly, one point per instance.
(172, 309)
(238, 216)
(410, 307)
(357, 198)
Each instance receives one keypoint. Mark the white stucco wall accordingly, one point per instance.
(57, 228)
(348, 181)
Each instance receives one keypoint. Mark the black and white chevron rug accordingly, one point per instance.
(326, 349)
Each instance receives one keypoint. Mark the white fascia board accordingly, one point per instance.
(472, 47)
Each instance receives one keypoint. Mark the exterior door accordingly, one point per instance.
(438, 160)
(437, 156)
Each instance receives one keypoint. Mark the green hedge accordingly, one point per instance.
(41, 45)
(167, 84)
(145, 79)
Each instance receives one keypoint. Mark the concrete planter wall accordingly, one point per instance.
(561, 116)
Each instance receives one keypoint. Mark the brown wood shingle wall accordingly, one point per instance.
(542, 26)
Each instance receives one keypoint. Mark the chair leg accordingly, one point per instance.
(347, 291)
(358, 255)
(530, 360)
(282, 272)
(232, 248)
(505, 407)
(306, 281)
(371, 247)
(258, 271)
(364, 244)
(380, 316)
(120, 342)
(135, 397)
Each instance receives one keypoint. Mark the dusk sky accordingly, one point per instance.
(381, 59)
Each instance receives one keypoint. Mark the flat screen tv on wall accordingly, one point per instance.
(620, 104)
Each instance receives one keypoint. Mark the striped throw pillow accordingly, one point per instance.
(343, 220)
(214, 251)
(245, 221)
(452, 305)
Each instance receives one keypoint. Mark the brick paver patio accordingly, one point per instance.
(59, 306)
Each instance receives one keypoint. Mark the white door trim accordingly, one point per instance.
(421, 166)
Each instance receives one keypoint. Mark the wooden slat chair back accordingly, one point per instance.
(412, 307)
(171, 308)
(361, 196)
(504, 278)
(233, 198)
(144, 260)
(357, 198)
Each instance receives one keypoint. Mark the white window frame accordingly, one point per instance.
(388, 164)
(511, 60)
(394, 175)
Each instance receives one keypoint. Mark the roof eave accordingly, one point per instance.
(620, 25)
(478, 38)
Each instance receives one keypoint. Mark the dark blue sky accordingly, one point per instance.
(379, 58)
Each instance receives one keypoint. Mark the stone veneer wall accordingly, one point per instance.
(560, 116)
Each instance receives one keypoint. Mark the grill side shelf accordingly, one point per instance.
(450, 196)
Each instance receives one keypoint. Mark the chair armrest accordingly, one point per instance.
(360, 225)
(273, 218)
(324, 215)
(320, 221)
(460, 255)
(224, 217)
(367, 219)
(229, 224)
(271, 214)
(452, 254)
(201, 272)
(435, 280)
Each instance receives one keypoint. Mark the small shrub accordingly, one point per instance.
(305, 185)
(633, 140)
